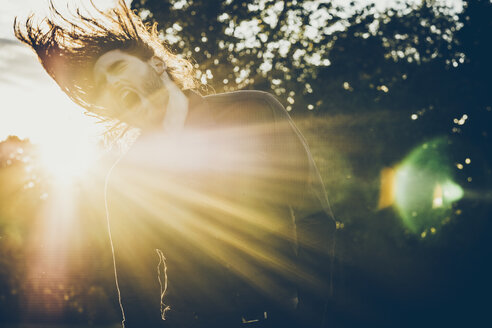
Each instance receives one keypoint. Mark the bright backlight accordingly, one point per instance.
(67, 161)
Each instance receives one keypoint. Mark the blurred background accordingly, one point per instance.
(394, 98)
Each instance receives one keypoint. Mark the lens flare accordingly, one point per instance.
(422, 186)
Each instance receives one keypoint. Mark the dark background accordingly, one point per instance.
(365, 87)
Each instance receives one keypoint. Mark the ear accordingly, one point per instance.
(158, 64)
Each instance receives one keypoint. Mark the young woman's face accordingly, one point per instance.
(131, 89)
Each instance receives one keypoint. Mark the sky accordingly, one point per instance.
(32, 104)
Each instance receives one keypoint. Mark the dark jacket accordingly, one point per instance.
(236, 205)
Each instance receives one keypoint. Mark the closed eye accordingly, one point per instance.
(116, 67)
(113, 69)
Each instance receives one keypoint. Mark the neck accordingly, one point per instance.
(177, 108)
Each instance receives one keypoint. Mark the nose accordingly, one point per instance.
(113, 81)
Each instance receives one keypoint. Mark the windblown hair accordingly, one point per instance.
(68, 47)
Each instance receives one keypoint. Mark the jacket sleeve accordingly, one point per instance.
(289, 140)
(315, 224)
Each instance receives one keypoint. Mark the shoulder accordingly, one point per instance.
(243, 95)
(248, 103)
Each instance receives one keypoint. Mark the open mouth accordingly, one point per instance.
(130, 99)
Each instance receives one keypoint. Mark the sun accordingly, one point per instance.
(68, 160)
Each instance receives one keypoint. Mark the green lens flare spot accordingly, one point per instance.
(424, 188)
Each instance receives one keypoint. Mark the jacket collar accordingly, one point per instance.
(199, 112)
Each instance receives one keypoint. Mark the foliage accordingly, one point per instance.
(424, 59)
